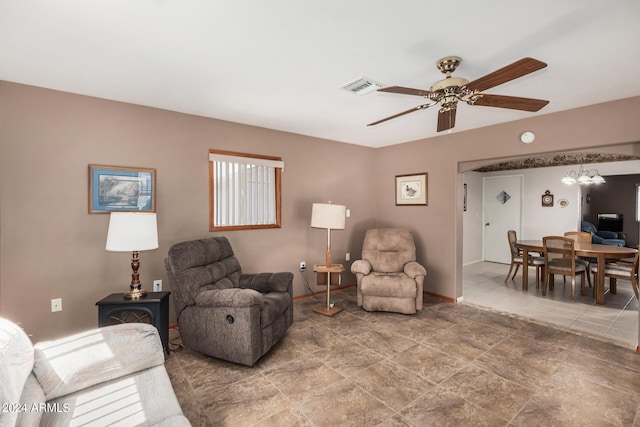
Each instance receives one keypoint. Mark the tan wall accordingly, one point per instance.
(52, 248)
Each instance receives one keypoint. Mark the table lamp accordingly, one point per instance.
(326, 215)
(133, 232)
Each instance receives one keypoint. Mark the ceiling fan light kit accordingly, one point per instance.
(583, 177)
(450, 90)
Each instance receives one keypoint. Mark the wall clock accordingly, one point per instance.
(547, 199)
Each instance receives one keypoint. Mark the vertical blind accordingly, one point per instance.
(244, 190)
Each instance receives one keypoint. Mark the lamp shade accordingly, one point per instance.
(326, 215)
(132, 231)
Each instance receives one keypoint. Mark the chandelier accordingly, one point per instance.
(583, 177)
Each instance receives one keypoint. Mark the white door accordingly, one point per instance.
(502, 211)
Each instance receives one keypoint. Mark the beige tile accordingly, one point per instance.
(572, 399)
(440, 407)
(429, 363)
(383, 342)
(492, 392)
(344, 404)
(348, 357)
(392, 384)
(206, 375)
(302, 378)
(288, 417)
(244, 403)
(460, 347)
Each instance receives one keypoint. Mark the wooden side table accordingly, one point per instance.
(328, 310)
(153, 309)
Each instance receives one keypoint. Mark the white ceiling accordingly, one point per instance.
(279, 64)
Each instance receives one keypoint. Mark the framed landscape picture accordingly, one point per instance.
(121, 189)
(411, 189)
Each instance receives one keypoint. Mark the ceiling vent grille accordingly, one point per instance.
(362, 86)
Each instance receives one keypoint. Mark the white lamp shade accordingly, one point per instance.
(326, 215)
(132, 231)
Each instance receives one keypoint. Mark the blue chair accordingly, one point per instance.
(602, 237)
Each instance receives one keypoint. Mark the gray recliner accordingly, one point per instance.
(222, 312)
(388, 276)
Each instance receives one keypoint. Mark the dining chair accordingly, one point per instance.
(517, 259)
(560, 258)
(620, 270)
(584, 238)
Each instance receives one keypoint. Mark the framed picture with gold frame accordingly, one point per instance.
(121, 189)
(411, 190)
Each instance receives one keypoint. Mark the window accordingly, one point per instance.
(245, 191)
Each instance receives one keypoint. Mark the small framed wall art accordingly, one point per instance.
(411, 189)
(121, 189)
(547, 199)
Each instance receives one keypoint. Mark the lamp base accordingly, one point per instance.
(332, 311)
(135, 294)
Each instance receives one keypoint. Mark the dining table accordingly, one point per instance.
(590, 250)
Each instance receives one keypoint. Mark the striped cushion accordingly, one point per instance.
(617, 269)
(533, 260)
(564, 264)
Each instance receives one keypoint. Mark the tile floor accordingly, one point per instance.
(451, 364)
(617, 319)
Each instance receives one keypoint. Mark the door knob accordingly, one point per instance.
(487, 223)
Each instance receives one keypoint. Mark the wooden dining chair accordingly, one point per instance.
(517, 259)
(584, 238)
(560, 258)
(620, 270)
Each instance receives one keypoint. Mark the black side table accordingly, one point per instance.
(153, 309)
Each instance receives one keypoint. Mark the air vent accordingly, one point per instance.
(362, 86)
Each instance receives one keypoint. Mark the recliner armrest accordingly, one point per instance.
(361, 266)
(413, 269)
(267, 282)
(234, 297)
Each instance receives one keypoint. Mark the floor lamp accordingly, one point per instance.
(133, 232)
(326, 215)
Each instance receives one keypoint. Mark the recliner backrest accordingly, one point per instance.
(199, 265)
(388, 249)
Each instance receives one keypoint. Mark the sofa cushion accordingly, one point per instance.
(397, 285)
(16, 355)
(388, 249)
(144, 398)
(79, 361)
(201, 265)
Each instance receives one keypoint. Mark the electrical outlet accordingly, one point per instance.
(303, 266)
(56, 304)
(347, 257)
(157, 286)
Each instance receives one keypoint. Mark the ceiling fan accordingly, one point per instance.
(450, 90)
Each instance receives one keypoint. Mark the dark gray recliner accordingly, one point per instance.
(221, 311)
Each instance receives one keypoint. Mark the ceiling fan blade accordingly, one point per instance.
(418, 108)
(512, 102)
(510, 72)
(446, 119)
(407, 91)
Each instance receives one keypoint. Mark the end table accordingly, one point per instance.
(328, 310)
(153, 309)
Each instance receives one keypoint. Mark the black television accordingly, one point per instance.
(610, 222)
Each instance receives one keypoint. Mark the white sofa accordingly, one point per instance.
(108, 376)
